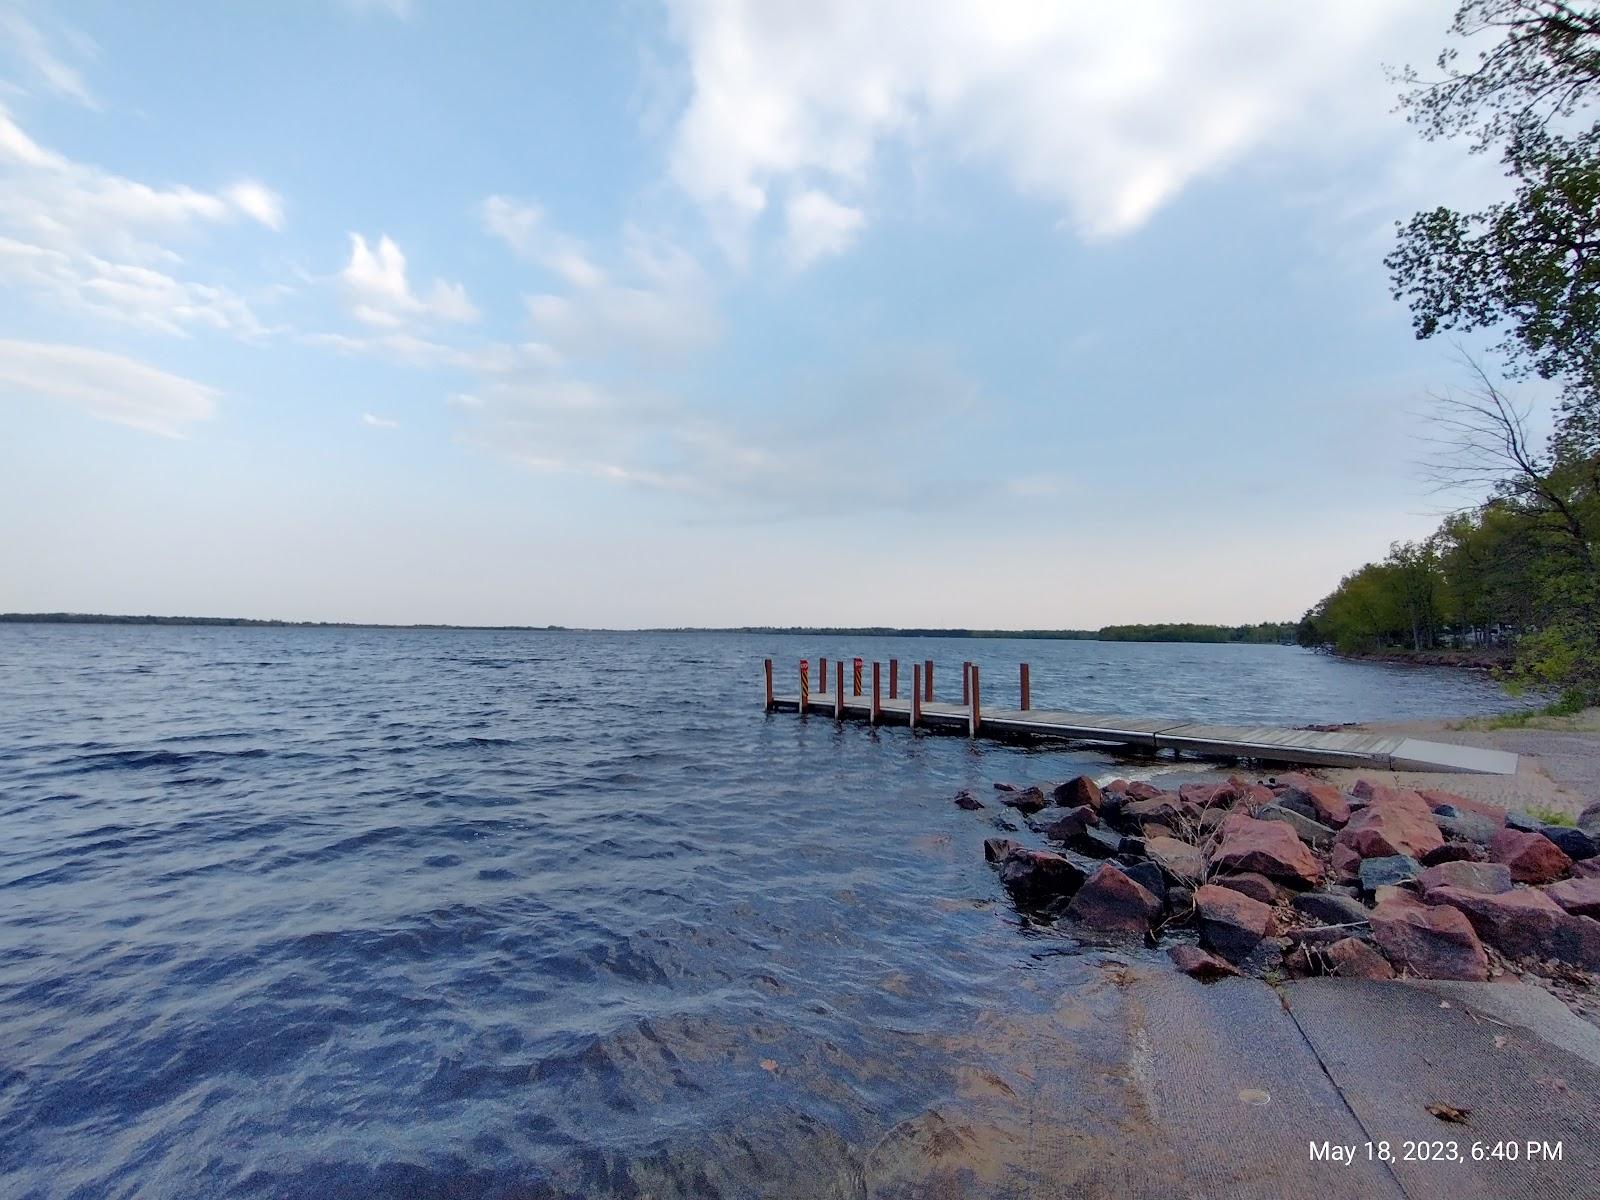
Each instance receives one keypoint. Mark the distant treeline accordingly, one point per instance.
(1266, 633)
(64, 618)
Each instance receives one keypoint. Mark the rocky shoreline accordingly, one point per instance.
(1289, 875)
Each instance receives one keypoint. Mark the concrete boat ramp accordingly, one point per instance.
(853, 698)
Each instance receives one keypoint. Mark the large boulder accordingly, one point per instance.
(1268, 848)
(1111, 902)
(1180, 859)
(1351, 958)
(1393, 822)
(1231, 923)
(1580, 896)
(1525, 923)
(1532, 857)
(1027, 800)
(1201, 964)
(1327, 804)
(1490, 879)
(1435, 943)
(1036, 877)
(1077, 791)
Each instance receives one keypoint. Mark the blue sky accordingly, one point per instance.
(708, 312)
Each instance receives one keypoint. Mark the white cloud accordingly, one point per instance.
(525, 229)
(819, 227)
(109, 386)
(405, 349)
(1105, 116)
(375, 422)
(104, 243)
(379, 293)
(400, 10)
(33, 51)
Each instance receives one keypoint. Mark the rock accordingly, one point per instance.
(1300, 963)
(1522, 822)
(1148, 876)
(1487, 878)
(995, 849)
(1392, 823)
(1112, 902)
(1393, 891)
(1117, 787)
(1469, 827)
(1002, 824)
(1394, 870)
(1069, 826)
(1131, 847)
(1036, 877)
(1257, 887)
(1532, 857)
(1318, 935)
(966, 800)
(1230, 922)
(1268, 848)
(1180, 900)
(1142, 789)
(1435, 943)
(1178, 858)
(1026, 800)
(1255, 797)
(1327, 805)
(1165, 809)
(1579, 896)
(1526, 922)
(1589, 868)
(1574, 843)
(1589, 819)
(1343, 862)
(1453, 852)
(1330, 909)
(1200, 964)
(1078, 791)
(1351, 958)
(1444, 803)
(1364, 789)
(1312, 833)
(1005, 787)
(1101, 842)
(1206, 795)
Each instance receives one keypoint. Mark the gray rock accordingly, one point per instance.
(1577, 844)
(1330, 909)
(1313, 833)
(1148, 876)
(1447, 810)
(1099, 842)
(1468, 827)
(1589, 820)
(1295, 802)
(1388, 872)
(1517, 819)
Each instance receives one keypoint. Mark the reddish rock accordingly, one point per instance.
(1257, 887)
(1453, 852)
(1112, 902)
(1351, 958)
(1267, 848)
(1365, 789)
(1486, 878)
(1206, 795)
(1527, 922)
(1589, 868)
(1393, 892)
(1344, 863)
(995, 849)
(1230, 922)
(1163, 809)
(1143, 789)
(1028, 800)
(1255, 797)
(1532, 857)
(1069, 826)
(1435, 943)
(1393, 823)
(1330, 805)
(1580, 896)
(1178, 858)
(1078, 792)
(1036, 877)
(966, 800)
(1201, 964)
(1117, 787)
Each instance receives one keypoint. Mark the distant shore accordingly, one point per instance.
(1484, 659)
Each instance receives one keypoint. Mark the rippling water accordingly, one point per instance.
(350, 913)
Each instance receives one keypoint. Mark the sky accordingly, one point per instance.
(711, 312)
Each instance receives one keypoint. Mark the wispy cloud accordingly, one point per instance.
(109, 386)
(379, 293)
(376, 422)
(35, 53)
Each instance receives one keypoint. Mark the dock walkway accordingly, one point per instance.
(1264, 743)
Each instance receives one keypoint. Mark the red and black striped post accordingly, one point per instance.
(858, 677)
(838, 692)
(805, 686)
(894, 679)
(973, 718)
(1027, 692)
(916, 695)
(877, 696)
(767, 671)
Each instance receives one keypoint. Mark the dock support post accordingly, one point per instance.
(1027, 692)
(966, 673)
(858, 677)
(766, 670)
(838, 692)
(822, 676)
(927, 681)
(877, 696)
(972, 718)
(916, 695)
(894, 679)
(805, 686)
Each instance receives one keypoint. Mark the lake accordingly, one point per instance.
(359, 913)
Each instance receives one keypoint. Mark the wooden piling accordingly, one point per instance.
(822, 676)
(916, 695)
(838, 692)
(894, 679)
(966, 671)
(927, 680)
(858, 677)
(767, 671)
(1027, 692)
(877, 697)
(805, 686)
(973, 720)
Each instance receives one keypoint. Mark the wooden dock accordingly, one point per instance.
(859, 697)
